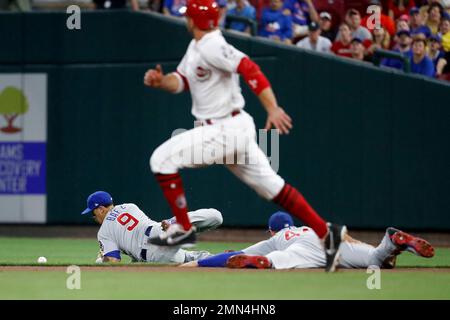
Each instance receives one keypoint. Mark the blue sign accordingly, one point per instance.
(22, 168)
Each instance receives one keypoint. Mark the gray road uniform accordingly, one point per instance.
(300, 247)
(126, 230)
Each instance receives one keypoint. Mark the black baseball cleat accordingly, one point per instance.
(332, 243)
(175, 236)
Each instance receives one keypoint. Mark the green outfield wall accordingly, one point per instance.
(369, 148)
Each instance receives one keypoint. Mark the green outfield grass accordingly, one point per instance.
(185, 284)
(26, 251)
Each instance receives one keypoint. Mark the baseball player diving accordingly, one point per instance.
(126, 229)
(210, 71)
(299, 247)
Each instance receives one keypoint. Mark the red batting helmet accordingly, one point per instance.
(204, 13)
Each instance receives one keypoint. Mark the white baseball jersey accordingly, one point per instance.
(210, 67)
(323, 44)
(283, 239)
(300, 247)
(123, 230)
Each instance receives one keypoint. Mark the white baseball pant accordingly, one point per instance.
(230, 141)
(203, 219)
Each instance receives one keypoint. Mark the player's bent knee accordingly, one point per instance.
(159, 164)
(216, 218)
(155, 162)
(274, 188)
(206, 219)
(269, 191)
(213, 218)
(266, 186)
(161, 161)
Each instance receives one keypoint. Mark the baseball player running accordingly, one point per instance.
(210, 70)
(125, 228)
(299, 247)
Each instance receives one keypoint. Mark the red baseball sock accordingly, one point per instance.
(292, 201)
(172, 187)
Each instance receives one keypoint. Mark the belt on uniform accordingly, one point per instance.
(144, 251)
(233, 114)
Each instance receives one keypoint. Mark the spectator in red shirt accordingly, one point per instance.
(385, 21)
(342, 46)
(398, 8)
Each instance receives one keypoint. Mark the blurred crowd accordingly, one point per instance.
(416, 30)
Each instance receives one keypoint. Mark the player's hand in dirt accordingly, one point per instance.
(280, 120)
(99, 257)
(153, 77)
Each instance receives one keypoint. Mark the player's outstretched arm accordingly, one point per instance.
(190, 264)
(276, 117)
(155, 78)
(260, 86)
(105, 259)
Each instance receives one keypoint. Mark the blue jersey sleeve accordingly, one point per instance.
(168, 4)
(286, 31)
(251, 12)
(262, 30)
(113, 254)
(429, 68)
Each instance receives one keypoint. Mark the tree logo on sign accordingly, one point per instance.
(12, 104)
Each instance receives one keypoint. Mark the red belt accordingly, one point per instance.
(233, 114)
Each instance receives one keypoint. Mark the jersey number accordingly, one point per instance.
(125, 218)
(288, 235)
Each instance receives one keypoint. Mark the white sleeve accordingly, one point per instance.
(181, 68)
(180, 74)
(301, 44)
(108, 247)
(368, 35)
(329, 44)
(261, 248)
(180, 82)
(222, 56)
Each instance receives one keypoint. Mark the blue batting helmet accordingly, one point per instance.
(280, 220)
(99, 198)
